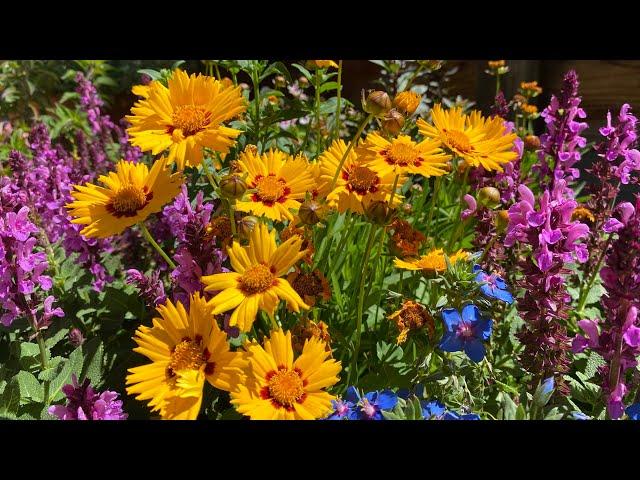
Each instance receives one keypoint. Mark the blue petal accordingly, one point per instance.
(474, 349)
(355, 414)
(451, 319)
(451, 416)
(477, 268)
(432, 409)
(451, 343)
(488, 291)
(470, 416)
(371, 396)
(581, 416)
(387, 400)
(504, 296)
(483, 329)
(501, 283)
(352, 395)
(548, 385)
(419, 389)
(471, 314)
(633, 411)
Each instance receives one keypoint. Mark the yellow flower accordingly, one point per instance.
(324, 63)
(477, 140)
(529, 110)
(402, 155)
(356, 184)
(130, 195)
(184, 348)
(431, 262)
(255, 282)
(280, 182)
(407, 101)
(185, 117)
(279, 388)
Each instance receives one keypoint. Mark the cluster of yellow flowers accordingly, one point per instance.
(183, 119)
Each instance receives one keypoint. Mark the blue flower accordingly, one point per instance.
(465, 332)
(342, 409)
(456, 416)
(492, 285)
(633, 411)
(370, 406)
(433, 410)
(580, 416)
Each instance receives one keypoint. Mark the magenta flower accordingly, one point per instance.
(83, 403)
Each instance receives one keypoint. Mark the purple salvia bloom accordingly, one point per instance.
(151, 288)
(83, 403)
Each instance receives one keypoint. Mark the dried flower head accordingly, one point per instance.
(411, 317)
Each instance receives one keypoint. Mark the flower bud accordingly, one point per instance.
(279, 81)
(303, 82)
(501, 220)
(246, 225)
(489, 197)
(393, 122)
(311, 212)
(377, 103)
(407, 208)
(531, 142)
(232, 186)
(378, 212)
(273, 100)
(432, 65)
(244, 86)
(75, 337)
(407, 101)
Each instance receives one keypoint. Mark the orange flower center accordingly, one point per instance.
(128, 200)
(457, 140)
(286, 387)
(190, 119)
(187, 354)
(270, 189)
(307, 284)
(362, 180)
(256, 279)
(402, 154)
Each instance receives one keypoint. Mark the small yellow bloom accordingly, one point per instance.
(184, 349)
(402, 155)
(357, 185)
(280, 182)
(583, 213)
(479, 141)
(530, 88)
(494, 64)
(433, 261)
(255, 282)
(129, 196)
(324, 63)
(281, 388)
(407, 101)
(529, 110)
(185, 117)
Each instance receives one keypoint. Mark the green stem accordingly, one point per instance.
(338, 97)
(256, 99)
(363, 275)
(460, 224)
(355, 138)
(497, 84)
(158, 248)
(43, 354)
(584, 292)
(232, 217)
(434, 196)
(317, 110)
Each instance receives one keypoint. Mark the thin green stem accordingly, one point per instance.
(317, 111)
(256, 99)
(363, 275)
(338, 98)
(584, 292)
(232, 217)
(211, 177)
(460, 225)
(434, 196)
(354, 140)
(43, 352)
(158, 248)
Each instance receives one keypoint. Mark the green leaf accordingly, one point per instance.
(304, 71)
(154, 74)
(93, 368)
(509, 408)
(30, 388)
(71, 366)
(594, 360)
(10, 400)
(59, 335)
(328, 86)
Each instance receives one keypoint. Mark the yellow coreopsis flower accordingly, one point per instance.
(433, 261)
(479, 141)
(402, 155)
(130, 195)
(255, 282)
(185, 349)
(278, 387)
(357, 185)
(280, 182)
(407, 101)
(323, 63)
(185, 117)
